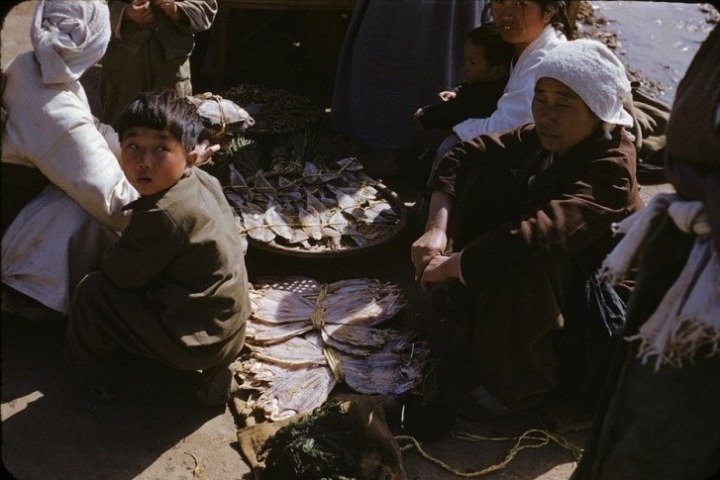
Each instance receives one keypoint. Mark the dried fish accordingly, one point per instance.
(259, 333)
(362, 340)
(317, 210)
(389, 374)
(305, 337)
(297, 391)
(277, 222)
(294, 352)
(311, 222)
(271, 305)
(235, 200)
(254, 225)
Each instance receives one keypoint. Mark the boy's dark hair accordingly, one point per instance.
(495, 49)
(163, 110)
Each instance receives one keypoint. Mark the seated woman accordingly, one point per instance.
(527, 215)
(534, 28)
(62, 186)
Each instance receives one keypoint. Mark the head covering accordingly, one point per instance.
(68, 37)
(592, 71)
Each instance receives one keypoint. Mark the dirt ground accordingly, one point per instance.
(52, 430)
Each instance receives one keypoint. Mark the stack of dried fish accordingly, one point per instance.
(318, 210)
(303, 343)
(275, 110)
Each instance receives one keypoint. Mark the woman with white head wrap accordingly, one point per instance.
(62, 186)
(530, 213)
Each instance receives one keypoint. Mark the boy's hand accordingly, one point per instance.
(447, 95)
(139, 11)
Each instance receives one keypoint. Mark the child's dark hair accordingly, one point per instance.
(495, 49)
(163, 110)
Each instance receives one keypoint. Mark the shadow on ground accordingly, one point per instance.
(53, 429)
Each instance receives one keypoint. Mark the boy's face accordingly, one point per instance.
(153, 160)
(476, 67)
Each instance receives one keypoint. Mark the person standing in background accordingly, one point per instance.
(395, 56)
(659, 407)
(150, 49)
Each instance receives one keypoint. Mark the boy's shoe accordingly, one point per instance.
(216, 386)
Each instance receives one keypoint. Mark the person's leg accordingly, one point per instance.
(90, 347)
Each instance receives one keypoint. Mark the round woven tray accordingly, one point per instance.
(376, 234)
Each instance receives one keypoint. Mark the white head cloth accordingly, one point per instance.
(592, 71)
(68, 37)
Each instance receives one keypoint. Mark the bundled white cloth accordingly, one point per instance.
(68, 37)
(688, 316)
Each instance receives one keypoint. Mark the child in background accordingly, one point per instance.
(150, 49)
(486, 69)
(174, 288)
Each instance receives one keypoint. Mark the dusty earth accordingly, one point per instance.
(52, 430)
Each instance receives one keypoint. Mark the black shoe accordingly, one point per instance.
(216, 386)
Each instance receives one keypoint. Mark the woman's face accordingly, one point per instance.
(562, 119)
(520, 21)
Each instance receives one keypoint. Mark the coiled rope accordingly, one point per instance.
(538, 437)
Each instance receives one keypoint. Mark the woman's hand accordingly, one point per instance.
(441, 268)
(139, 11)
(431, 244)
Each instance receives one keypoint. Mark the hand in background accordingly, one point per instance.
(168, 7)
(139, 11)
(417, 118)
(203, 152)
(447, 95)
